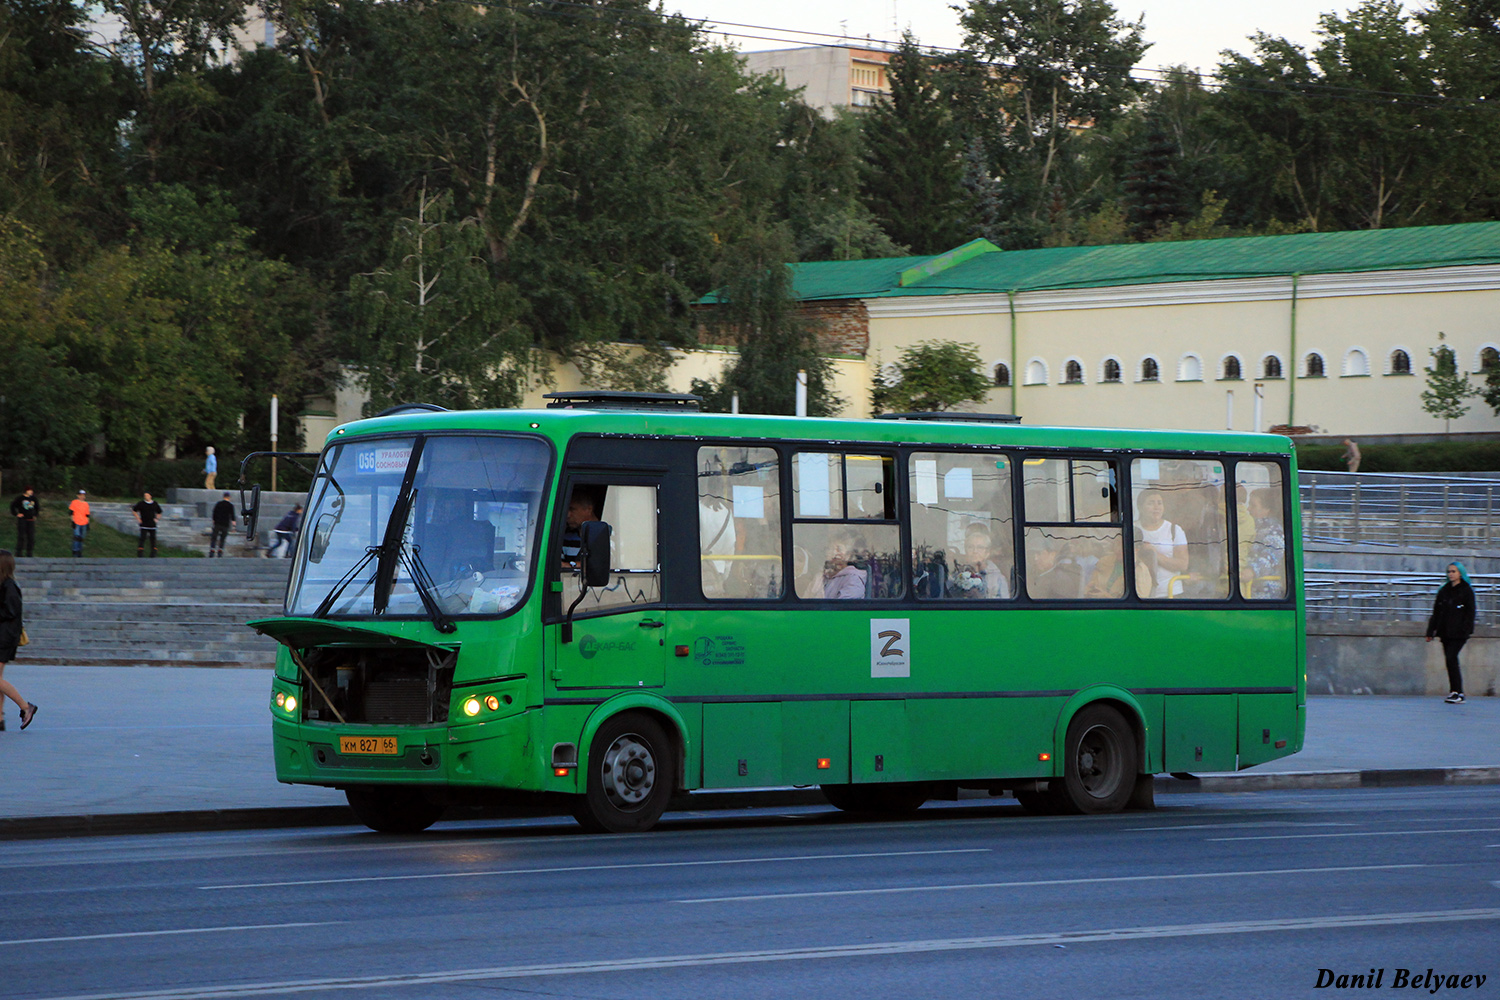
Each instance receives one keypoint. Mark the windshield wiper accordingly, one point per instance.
(422, 580)
(338, 588)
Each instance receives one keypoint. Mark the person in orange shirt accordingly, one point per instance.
(79, 508)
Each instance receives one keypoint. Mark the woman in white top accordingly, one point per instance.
(1168, 540)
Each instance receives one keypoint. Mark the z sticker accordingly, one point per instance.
(890, 647)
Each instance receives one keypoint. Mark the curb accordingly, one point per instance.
(206, 820)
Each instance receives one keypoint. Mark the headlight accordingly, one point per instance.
(291, 704)
(471, 707)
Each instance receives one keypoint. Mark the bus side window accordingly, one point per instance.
(846, 544)
(635, 573)
(961, 526)
(1074, 542)
(739, 523)
(1181, 526)
(1262, 531)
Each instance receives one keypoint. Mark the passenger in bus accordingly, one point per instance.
(841, 579)
(977, 576)
(1107, 581)
(1052, 573)
(1263, 574)
(1167, 539)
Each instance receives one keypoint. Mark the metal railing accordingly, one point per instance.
(1357, 595)
(1400, 510)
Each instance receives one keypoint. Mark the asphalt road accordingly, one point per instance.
(1210, 896)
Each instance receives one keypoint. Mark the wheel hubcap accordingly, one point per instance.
(1099, 762)
(629, 772)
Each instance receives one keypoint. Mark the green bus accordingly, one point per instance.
(617, 599)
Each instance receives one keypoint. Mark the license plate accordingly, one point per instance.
(367, 744)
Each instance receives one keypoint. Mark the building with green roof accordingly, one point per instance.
(1330, 331)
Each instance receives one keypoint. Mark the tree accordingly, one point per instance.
(1447, 387)
(932, 375)
(433, 324)
(913, 180)
(1064, 71)
(757, 311)
(1154, 197)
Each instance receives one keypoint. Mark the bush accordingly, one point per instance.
(1442, 456)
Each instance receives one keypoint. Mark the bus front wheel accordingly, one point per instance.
(631, 776)
(1099, 763)
(389, 809)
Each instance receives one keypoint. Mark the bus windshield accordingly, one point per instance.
(470, 526)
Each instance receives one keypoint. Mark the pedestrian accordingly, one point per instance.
(210, 468)
(286, 533)
(1452, 621)
(146, 512)
(11, 631)
(79, 509)
(1351, 455)
(26, 507)
(224, 520)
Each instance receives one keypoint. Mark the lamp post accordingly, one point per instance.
(273, 442)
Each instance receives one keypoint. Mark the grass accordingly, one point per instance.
(54, 535)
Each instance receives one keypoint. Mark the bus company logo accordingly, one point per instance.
(589, 647)
(890, 647)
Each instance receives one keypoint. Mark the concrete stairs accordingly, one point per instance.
(150, 612)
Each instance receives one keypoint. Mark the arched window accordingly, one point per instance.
(1232, 368)
(1190, 368)
(1400, 362)
(1073, 372)
(1271, 367)
(1314, 365)
(1002, 375)
(1489, 358)
(1356, 362)
(1111, 370)
(1150, 370)
(1036, 372)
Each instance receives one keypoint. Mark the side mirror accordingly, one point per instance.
(250, 510)
(593, 553)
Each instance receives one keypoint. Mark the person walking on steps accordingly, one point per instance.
(224, 520)
(146, 512)
(286, 533)
(10, 637)
(1452, 621)
(79, 509)
(26, 507)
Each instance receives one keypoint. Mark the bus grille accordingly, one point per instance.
(397, 699)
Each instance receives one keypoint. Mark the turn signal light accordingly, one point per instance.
(280, 699)
(492, 703)
(1044, 756)
(824, 763)
(471, 707)
(561, 772)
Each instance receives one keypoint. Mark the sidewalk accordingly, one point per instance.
(142, 749)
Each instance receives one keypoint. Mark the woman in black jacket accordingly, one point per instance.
(1453, 622)
(10, 636)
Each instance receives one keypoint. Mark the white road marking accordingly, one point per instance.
(1040, 882)
(1367, 833)
(599, 868)
(871, 949)
(166, 933)
(1221, 826)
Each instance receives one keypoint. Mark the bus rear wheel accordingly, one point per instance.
(1100, 763)
(631, 775)
(894, 799)
(393, 809)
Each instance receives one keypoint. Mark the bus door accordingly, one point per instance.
(619, 630)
